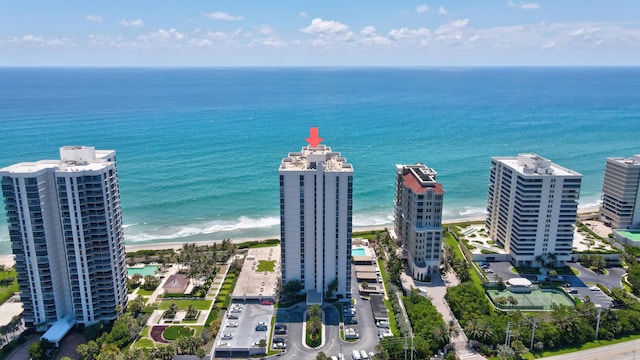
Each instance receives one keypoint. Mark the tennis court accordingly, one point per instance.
(535, 300)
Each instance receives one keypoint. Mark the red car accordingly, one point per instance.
(267, 302)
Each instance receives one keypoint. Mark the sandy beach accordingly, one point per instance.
(8, 260)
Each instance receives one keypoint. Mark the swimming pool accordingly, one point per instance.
(358, 252)
(144, 271)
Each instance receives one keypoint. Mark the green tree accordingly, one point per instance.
(291, 288)
(314, 311)
(39, 349)
(322, 356)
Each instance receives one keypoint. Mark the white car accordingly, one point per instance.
(232, 324)
(223, 343)
(227, 336)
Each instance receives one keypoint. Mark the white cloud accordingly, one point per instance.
(529, 6)
(303, 14)
(274, 41)
(167, 34)
(421, 9)
(264, 29)
(406, 33)
(132, 23)
(442, 11)
(549, 45)
(219, 15)
(524, 5)
(319, 26)
(93, 18)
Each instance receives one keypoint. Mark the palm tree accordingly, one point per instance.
(484, 331)
(313, 326)
(441, 334)
(314, 311)
(454, 330)
(473, 329)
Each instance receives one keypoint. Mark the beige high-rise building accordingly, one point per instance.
(65, 229)
(532, 207)
(418, 218)
(316, 188)
(620, 196)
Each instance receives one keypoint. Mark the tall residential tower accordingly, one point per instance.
(316, 188)
(418, 217)
(65, 229)
(620, 196)
(532, 207)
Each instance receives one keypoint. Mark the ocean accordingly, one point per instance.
(198, 148)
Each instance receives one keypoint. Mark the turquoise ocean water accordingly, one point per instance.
(199, 149)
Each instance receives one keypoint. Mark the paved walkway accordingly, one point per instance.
(436, 291)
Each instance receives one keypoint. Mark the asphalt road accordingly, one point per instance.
(333, 344)
(629, 350)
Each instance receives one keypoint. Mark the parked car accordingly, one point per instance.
(383, 324)
(227, 336)
(280, 331)
(573, 291)
(233, 315)
(267, 302)
(280, 346)
(261, 327)
(278, 340)
(350, 320)
(232, 324)
(223, 343)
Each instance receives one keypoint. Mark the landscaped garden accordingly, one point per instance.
(265, 265)
(314, 326)
(184, 304)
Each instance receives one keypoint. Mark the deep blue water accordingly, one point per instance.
(198, 149)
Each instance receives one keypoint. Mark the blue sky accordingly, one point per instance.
(319, 33)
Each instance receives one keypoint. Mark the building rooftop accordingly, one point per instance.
(72, 158)
(309, 158)
(419, 178)
(535, 165)
(254, 284)
(635, 160)
(176, 281)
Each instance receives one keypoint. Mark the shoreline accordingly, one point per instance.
(8, 260)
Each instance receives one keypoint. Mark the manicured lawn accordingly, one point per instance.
(393, 325)
(144, 292)
(143, 343)
(264, 265)
(7, 291)
(184, 304)
(174, 332)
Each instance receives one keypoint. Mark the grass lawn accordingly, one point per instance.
(143, 343)
(144, 292)
(174, 332)
(7, 291)
(393, 325)
(265, 265)
(145, 331)
(184, 304)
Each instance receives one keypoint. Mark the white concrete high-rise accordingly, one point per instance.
(316, 188)
(532, 208)
(65, 229)
(620, 196)
(418, 217)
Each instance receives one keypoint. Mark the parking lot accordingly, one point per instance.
(243, 326)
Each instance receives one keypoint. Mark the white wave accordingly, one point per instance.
(363, 220)
(472, 212)
(586, 203)
(212, 227)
